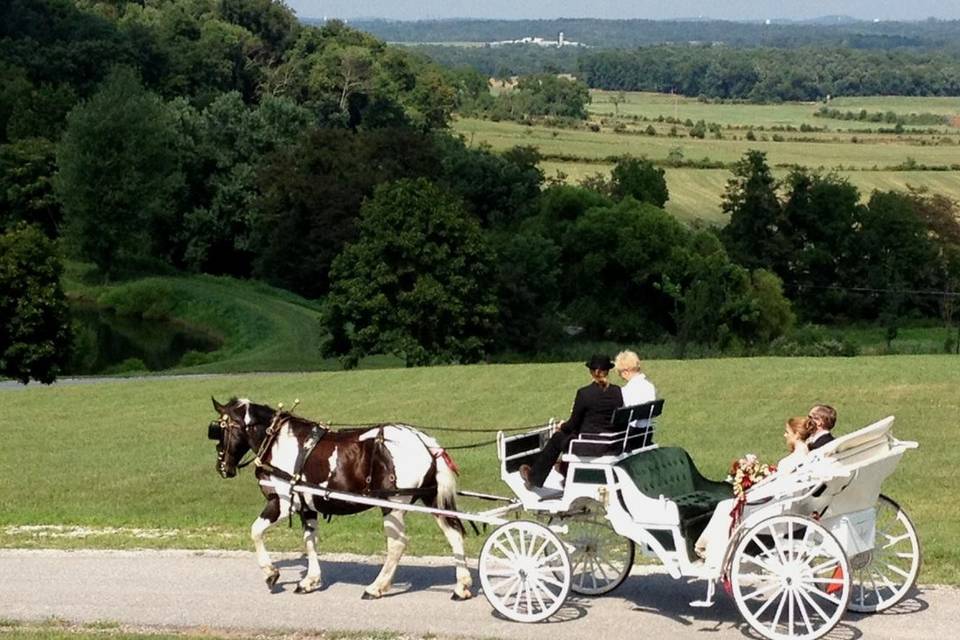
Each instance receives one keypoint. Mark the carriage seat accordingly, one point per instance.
(631, 429)
(670, 472)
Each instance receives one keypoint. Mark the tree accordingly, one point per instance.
(311, 195)
(222, 147)
(528, 290)
(755, 236)
(416, 283)
(640, 179)
(821, 216)
(34, 322)
(119, 171)
(27, 168)
(500, 189)
(616, 258)
(895, 252)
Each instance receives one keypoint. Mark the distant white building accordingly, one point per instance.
(540, 42)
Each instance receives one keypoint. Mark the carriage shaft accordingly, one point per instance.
(493, 516)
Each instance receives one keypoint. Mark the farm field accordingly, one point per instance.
(866, 159)
(127, 464)
(871, 152)
(695, 194)
(651, 105)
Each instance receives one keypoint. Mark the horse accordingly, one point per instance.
(390, 461)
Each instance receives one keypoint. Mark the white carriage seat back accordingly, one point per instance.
(859, 463)
(631, 429)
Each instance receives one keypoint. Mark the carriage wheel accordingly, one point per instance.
(883, 576)
(600, 557)
(790, 578)
(524, 571)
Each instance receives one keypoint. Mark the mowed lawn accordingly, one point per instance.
(696, 194)
(129, 459)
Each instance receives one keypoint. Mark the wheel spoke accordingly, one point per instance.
(813, 603)
(760, 592)
(538, 589)
(506, 553)
(766, 605)
(822, 594)
(549, 580)
(898, 571)
(776, 618)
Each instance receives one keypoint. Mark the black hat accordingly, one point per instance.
(599, 361)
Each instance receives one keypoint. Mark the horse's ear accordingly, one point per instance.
(219, 408)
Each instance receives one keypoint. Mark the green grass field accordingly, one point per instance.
(262, 328)
(871, 152)
(128, 460)
(652, 105)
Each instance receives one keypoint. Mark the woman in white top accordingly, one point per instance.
(638, 389)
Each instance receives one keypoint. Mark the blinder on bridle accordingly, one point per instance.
(217, 431)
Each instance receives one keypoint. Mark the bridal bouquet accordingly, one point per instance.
(746, 472)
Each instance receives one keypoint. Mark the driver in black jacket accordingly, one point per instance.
(592, 410)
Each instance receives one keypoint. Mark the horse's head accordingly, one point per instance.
(239, 428)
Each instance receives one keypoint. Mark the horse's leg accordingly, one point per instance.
(454, 536)
(311, 581)
(393, 529)
(272, 512)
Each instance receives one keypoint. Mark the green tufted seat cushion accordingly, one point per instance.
(669, 471)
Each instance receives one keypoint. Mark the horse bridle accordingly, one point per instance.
(216, 431)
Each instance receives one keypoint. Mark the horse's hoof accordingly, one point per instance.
(456, 597)
(369, 596)
(271, 579)
(301, 589)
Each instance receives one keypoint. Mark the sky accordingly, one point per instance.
(650, 9)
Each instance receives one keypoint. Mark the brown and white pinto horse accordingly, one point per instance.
(390, 461)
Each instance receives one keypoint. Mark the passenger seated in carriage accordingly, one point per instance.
(638, 389)
(825, 418)
(796, 433)
(592, 410)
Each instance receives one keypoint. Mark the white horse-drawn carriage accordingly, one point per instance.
(810, 544)
(807, 545)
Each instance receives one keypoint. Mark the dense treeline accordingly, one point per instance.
(898, 256)
(222, 136)
(505, 61)
(633, 33)
(772, 74)
(720, 72)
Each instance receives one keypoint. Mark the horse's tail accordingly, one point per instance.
(447, 488)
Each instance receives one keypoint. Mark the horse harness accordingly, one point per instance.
(317, 432)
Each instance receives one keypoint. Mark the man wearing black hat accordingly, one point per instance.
(592, 410)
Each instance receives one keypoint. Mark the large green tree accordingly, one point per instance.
(34, 321)
(755, 235)
(27, 168)
(119, 171)
(416, 283)
(640, 179)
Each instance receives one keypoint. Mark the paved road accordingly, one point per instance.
(224, 591)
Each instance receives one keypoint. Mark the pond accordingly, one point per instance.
(108, 343)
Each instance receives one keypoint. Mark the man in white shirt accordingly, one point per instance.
(638, 389)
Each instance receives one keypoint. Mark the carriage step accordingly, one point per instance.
(708, 601)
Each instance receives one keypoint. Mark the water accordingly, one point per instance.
(108, 343)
